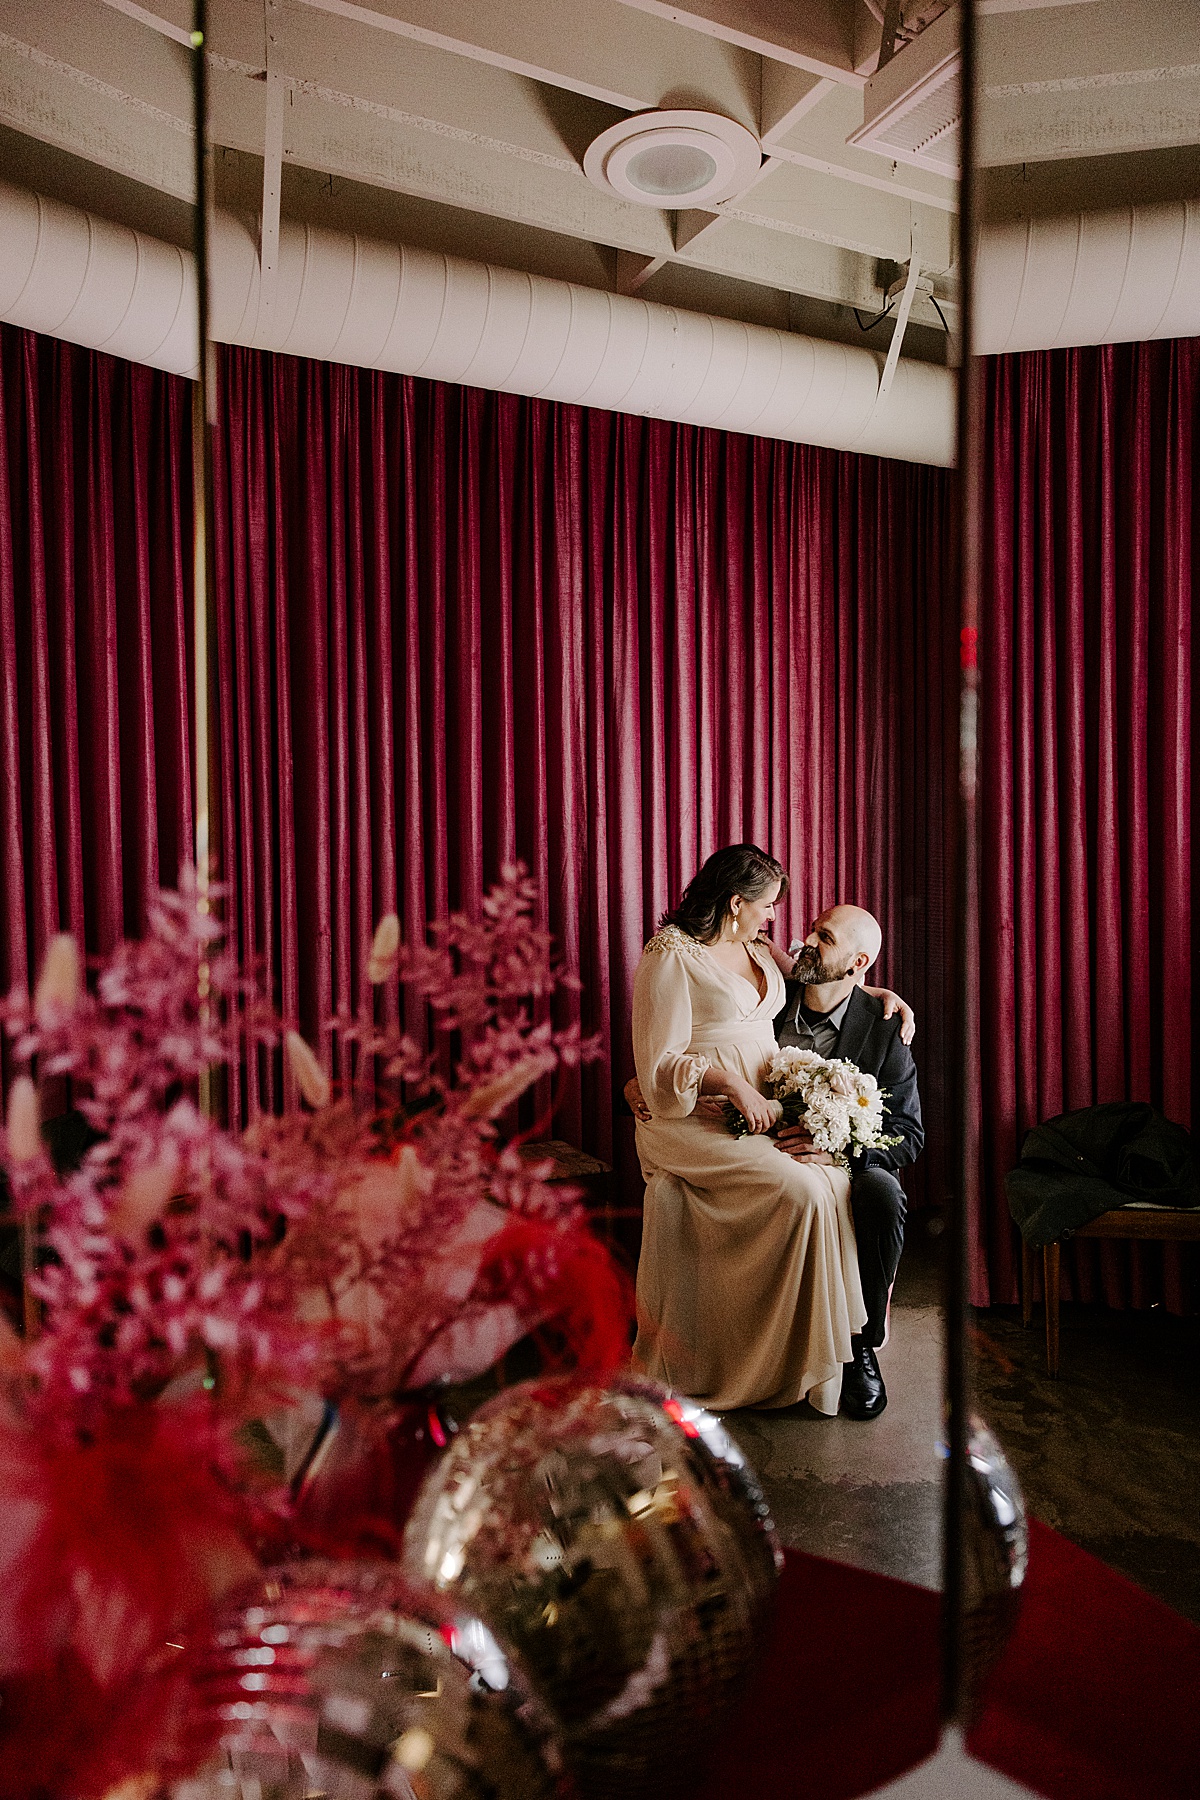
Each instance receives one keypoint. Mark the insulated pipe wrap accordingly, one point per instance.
(1122, 276)
(344, 299)
(76, 276)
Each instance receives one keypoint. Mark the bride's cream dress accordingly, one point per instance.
(747, 1286)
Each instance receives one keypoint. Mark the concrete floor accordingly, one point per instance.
(1109, 1454)
(868, 1494)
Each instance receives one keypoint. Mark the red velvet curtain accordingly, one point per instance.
(458, 627)
(453, 628)
(1092, 460)
(95, 659)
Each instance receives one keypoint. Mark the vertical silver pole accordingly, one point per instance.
(202, 418)
(955, 1675)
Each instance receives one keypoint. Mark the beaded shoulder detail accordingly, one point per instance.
(672, 938)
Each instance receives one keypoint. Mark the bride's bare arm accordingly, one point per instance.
(759, 1112)
(892, 1003)
(781, 956)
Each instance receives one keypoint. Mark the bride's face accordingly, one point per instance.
(754, 916)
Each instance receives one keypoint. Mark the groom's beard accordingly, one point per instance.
(809, 969)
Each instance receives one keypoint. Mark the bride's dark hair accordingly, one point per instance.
(738, 869)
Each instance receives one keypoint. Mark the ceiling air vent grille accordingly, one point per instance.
(912, 108)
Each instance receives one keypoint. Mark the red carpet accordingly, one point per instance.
(1097, 1696)
(846, 1695)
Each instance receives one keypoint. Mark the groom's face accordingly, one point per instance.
(826, 955)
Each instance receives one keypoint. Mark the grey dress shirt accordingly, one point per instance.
(796, 1031)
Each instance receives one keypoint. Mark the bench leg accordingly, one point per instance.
(1026, 1284)
(1050, 1270)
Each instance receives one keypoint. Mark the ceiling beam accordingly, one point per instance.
(170, 24)
(807, 203)
(633, 272)
(818, 36)
(1128, 79)
(98, 84)
(593, 47)
(272, 188)
(787, 95)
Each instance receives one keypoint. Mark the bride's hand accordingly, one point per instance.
(892, 1003)
(759, 1112)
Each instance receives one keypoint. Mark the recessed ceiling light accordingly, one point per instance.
(670, 159)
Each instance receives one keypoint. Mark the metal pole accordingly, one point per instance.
(202, 420)
(955, 1698)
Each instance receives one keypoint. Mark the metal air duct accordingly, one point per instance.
(375, 305)
(1089, 278)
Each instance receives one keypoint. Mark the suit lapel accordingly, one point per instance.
(856, 1026)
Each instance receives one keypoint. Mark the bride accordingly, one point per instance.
(747, 1286)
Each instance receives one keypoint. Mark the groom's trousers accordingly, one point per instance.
(880, 1209)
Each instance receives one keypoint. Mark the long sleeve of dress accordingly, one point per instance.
(668, 1073)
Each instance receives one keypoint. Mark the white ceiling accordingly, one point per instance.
(461, 125)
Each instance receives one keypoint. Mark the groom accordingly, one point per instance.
(827, 1011)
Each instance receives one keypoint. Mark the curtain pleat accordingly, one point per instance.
(95, 645)
(1089, 945)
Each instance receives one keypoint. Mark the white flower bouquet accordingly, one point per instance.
(840, 1107)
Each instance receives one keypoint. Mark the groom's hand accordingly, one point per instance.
(797, 1143)
(637, 1105)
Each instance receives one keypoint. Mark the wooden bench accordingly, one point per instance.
(1158, 1224)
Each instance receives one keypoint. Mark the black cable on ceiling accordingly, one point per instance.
(872, 323)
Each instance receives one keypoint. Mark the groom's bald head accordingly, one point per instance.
(856, 929)
(844, 940)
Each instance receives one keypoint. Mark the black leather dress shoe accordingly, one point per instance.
(863, 1393)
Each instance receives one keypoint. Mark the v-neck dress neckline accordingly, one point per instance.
(760, 993)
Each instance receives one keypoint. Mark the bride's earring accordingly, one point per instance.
(735, 927)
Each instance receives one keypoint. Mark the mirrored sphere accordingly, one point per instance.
(619, 1547)
(338, 1681)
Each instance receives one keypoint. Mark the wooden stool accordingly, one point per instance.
(1159, 1224)
(577, 1168)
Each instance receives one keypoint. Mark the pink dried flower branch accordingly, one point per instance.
(489, 983)
(155, 1243)
(331, 1246)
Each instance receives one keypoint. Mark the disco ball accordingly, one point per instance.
(619, 1547)
(339, 1680)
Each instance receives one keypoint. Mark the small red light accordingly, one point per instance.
(674, 1411)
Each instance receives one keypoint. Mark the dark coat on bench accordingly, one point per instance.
(1085, 1163)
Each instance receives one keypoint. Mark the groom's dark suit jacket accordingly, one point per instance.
(872, 1043)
